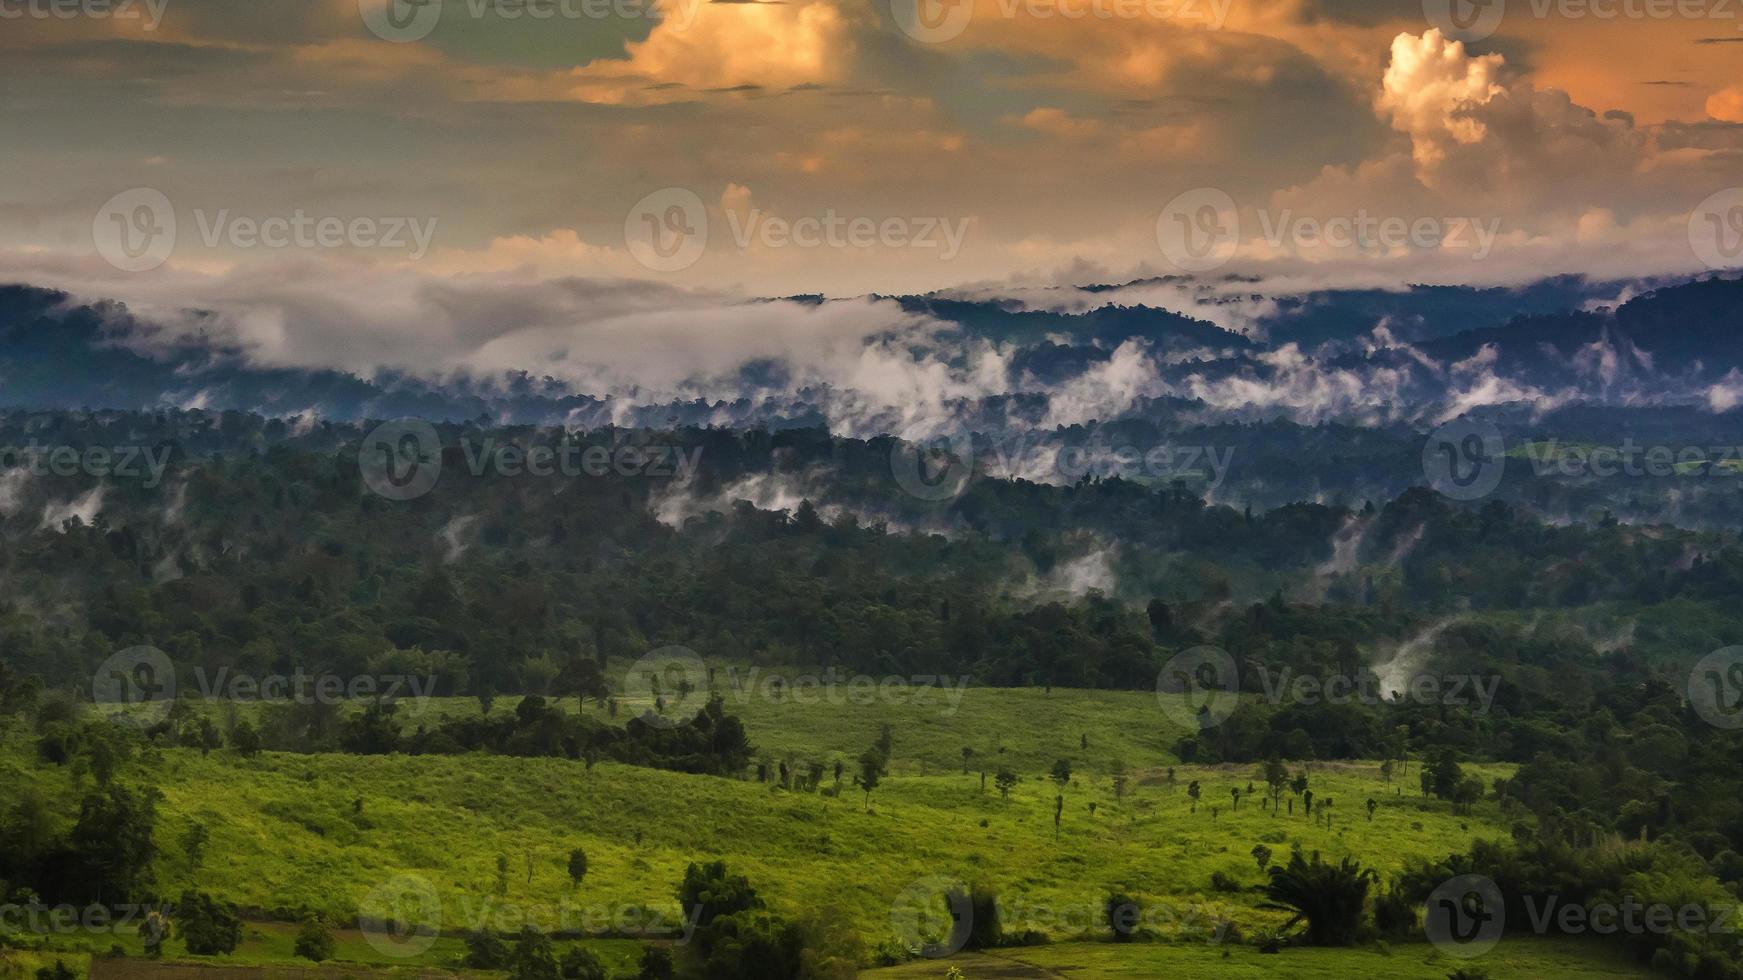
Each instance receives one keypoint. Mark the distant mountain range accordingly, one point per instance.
(1365, 357)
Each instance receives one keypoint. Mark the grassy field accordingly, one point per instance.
(1533, 959)
(1023, 728)
(343, 835)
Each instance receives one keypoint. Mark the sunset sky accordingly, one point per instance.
(1051, 145)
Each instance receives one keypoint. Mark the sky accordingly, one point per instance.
(418, 172)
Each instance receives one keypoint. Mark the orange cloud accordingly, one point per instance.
(1726, 105)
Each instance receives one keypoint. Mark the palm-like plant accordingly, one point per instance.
(1332, 898)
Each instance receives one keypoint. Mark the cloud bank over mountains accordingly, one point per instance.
(588, 353)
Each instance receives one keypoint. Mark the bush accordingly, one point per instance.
(580, 964)
(986, 931)
(485, 952)
(1220, 882)
(1394, 915)
(208, 927)
(656, 964)
(1122, 914)
(314, 942)
(532, 958)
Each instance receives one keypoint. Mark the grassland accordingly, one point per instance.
(1530, 959)
(327, 832)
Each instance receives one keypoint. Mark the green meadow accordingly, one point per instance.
(489, 837)
(1534, 959)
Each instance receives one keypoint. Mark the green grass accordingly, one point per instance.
(19, 964)
(1523, 959)
(1023, 728)
(327, 832)
(285, 835)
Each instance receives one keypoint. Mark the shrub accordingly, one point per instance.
(1122, 914)
(485, 952)
(208, 927)
(314, 942)
(579, 963)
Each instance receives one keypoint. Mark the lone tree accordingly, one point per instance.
(1262, 855)
(577, 866)
(1193, 791)
(1004, 781)
(1276, 781)
(967, 754)
(1061, 772)
(872, 765)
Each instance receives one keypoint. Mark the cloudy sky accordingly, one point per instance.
(287, 160)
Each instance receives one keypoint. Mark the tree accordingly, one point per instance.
(1276, 780)
(113, 838)
(656, 964)
(709, 891)
(208, 927)
(872, 764)
(1061, 774)
(532, 958)
(577, 866)
(314, 942)
(1331, 898)
(1122, 914)
(1005, 780)
(484, 951)
(1442, 775)
(194, 842)
(967, 754)
(581, 964)
(1467, 794)
(245, 739)
(1262, 855)
(1193, 792)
